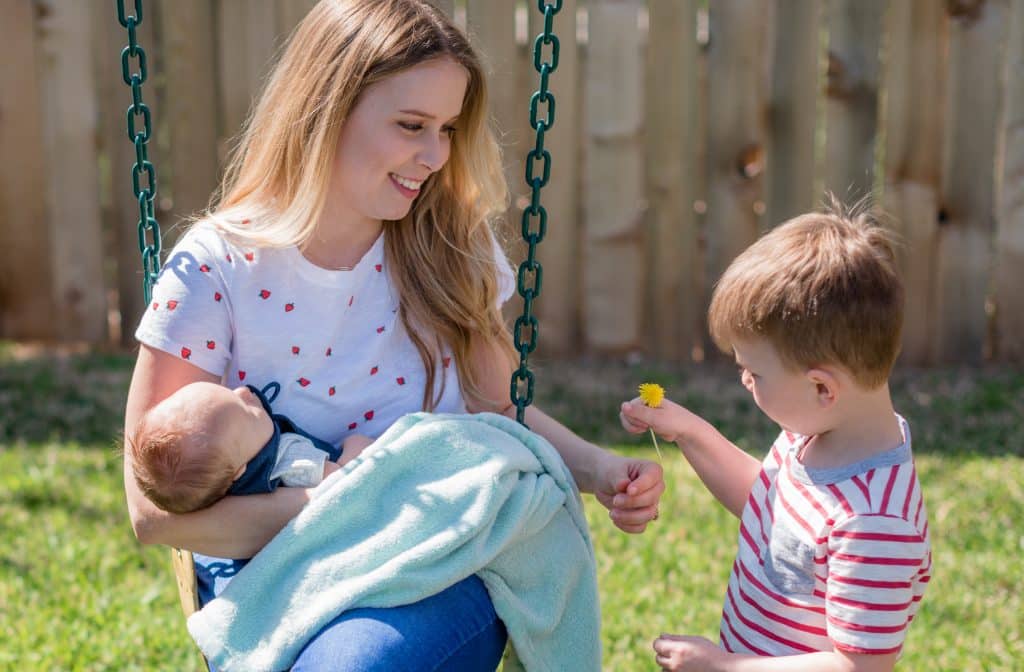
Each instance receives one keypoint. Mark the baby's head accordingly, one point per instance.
(188, 449)
(820, 289)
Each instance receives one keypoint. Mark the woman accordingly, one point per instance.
(350, 260)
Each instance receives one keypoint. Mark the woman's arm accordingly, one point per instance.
(235, 527)
(628, 488)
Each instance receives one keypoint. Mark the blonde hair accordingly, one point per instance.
(171, 472)
(822, 288)
(441, 255)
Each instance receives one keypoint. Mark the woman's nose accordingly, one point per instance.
(434, 153)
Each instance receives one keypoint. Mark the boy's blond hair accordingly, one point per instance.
(823, 288)
(172, 472)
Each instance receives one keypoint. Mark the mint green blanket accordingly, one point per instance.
(436, 499)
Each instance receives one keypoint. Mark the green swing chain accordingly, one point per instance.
(530, 269)
(150, 248)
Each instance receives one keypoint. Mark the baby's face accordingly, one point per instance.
(234, 419)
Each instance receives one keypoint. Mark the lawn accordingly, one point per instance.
(77, 592)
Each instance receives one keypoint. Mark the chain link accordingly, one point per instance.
(148, 228)
(535, 216)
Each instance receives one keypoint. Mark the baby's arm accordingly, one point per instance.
(727, 472)
(696, 654)
(351, 448)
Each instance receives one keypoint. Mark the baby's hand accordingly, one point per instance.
(670, 421)
(352, 446)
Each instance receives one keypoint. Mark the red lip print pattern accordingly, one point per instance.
(172, 304)
(446, 361)
(377, 268)
(400, 380)
(249, 256)
(350, 300)
(380, 330)
(330, 392)
(186, 353)
(155, 305)
(211, 345)
(351, 426)
(373, 371)
(217, 296)
(204, 268)
(228, 257)
(304, 382)
(368, 415)
(241, 375)
(328, 353)
(295, 349)
(264, 294)
(289, 307)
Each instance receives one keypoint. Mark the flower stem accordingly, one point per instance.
(655, 439)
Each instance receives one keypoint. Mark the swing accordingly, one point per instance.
(529, 276)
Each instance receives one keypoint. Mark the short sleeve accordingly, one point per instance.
(506, 277)
(877, 568)
(188, 315)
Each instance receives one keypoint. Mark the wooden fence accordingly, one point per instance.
(685, 128)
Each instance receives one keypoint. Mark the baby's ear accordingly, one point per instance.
(826, 384)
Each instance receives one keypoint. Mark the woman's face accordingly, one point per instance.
(399, 133)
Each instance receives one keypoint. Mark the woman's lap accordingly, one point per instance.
(457, 629)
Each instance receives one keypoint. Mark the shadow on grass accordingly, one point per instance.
(50, 396)
(80, 398)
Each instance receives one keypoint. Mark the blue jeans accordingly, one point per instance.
(455, 630)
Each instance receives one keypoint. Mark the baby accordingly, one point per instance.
(206, 441)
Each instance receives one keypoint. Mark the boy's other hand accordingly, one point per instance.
(680, 653)
(670, 421)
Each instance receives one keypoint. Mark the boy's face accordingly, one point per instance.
(787, 395)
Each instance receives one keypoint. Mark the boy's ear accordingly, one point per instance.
(826, 386)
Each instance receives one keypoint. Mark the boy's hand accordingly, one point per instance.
(680, 653)
(352, 446)
(670, 421)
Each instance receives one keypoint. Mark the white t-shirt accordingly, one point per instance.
(331, 339)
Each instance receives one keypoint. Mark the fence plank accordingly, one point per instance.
(964, 248)
(916, 40)
(26, 284)
(673, 308)
(852, 96)
(1009, 299)
(612, 191)
(736, 132)
(190, 114)
(69, 118)
(247, 40)
(796, 83)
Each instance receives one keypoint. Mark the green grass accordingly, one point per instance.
(77, 592)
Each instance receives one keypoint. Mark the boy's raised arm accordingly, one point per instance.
(727, 472)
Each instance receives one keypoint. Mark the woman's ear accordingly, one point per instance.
(826, 385)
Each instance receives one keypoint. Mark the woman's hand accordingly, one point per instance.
(630, 489)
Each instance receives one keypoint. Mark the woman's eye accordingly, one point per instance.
(409, 126)
(449, 130)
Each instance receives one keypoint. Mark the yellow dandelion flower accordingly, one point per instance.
(652, 394)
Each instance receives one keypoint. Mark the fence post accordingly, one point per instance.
(916, 40)
(793, 119)
(1009, 299)
(736, 132)
(855, 29)
(26, 284)
(612, 172)
(189, 111)
(673, 302)
(965, 236)
(69, 117)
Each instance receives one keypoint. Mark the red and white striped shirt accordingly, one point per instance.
(828, 558)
